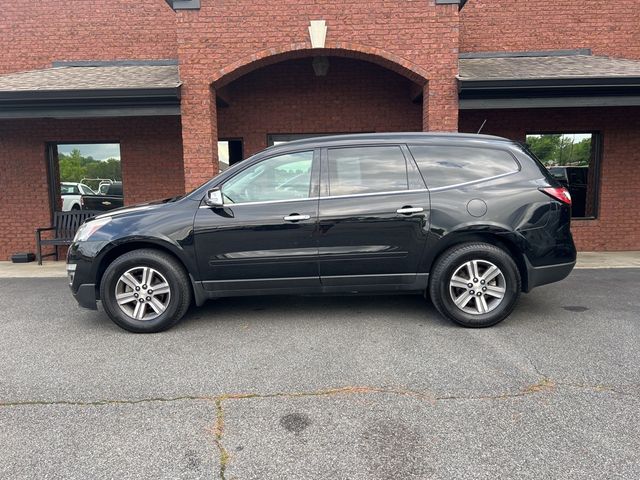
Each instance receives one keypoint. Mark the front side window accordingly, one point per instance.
(357, 170)
(572, 159)
(285, 177)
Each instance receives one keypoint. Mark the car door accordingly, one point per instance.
(264, 235)
(373, 216)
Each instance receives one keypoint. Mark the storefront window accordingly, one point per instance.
(86, 176)
(573, 159)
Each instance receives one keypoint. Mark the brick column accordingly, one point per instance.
(440, 105)
(199, 133)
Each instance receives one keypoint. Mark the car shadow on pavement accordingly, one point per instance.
(409, 309)
(401, 309)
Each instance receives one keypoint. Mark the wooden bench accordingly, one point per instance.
(65, 225)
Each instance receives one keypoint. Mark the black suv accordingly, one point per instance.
(471, 219)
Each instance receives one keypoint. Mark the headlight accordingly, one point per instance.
(71, 271)
(89, 228)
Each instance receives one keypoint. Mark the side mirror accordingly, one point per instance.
(214, 198)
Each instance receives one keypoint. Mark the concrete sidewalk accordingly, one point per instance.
(608, 260)
(57, 269)
(33, 270)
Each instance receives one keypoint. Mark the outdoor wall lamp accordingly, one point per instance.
(320, 66)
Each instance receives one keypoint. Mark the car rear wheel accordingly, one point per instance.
(475, 284)
(145, 291)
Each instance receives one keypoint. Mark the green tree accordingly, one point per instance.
(110, 169)
(546, 147)
(71, 166)
(560, 150)
(582, 152)
(74, 167)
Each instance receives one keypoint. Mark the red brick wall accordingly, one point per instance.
(151, 154)
(618, 224)
(33, 33)
(607, 27)
(287, 97)
(224, 36)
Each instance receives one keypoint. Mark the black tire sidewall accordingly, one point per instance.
(453, 261)
(107, 292)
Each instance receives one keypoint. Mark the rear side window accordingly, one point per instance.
(356, 170)
(443, 166)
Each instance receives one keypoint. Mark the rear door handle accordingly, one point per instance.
(295, 217)
(409, 210)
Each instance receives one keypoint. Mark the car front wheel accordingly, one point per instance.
(475, 284)
(145, 291)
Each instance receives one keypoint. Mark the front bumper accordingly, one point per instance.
(86, 296)
(544, 275)
(81, 278)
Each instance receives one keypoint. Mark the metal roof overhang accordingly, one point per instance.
(548, 93)
(126, 102)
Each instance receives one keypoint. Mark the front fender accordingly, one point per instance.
(123, 244)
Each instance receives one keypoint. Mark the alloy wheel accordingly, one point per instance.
(142, 293)
(477, 287)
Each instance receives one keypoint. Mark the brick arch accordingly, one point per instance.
(282, 53)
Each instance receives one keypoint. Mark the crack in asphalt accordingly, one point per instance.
(218, 432)
(580, 386)
(544, 385)
(94, 403)
(597, 388)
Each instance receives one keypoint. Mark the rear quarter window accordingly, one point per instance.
(443, 166)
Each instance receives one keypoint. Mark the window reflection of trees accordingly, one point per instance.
(571, 159)
(76, 167)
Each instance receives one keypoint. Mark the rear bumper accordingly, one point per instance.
(538, 276)
(86, 296)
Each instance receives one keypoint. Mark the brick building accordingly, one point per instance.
(181, 87)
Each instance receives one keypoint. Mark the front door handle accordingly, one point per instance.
(295, 217)
(409, 210)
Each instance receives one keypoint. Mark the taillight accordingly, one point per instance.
(558, 193)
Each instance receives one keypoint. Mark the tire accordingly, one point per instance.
(480, 302)
(164, 273)
(75, 207)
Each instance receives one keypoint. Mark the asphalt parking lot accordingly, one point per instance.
(376, 387)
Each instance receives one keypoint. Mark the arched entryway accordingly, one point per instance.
(310, 96)
(293, 91)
